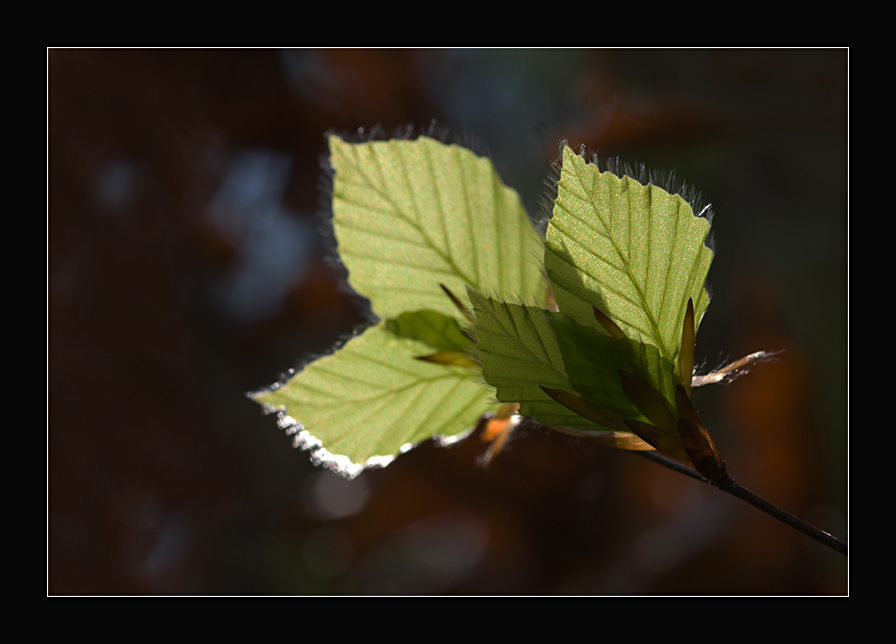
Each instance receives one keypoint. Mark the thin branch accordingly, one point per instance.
(672, 464)
(730, 486)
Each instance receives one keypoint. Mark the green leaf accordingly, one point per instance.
(593, 361)
(371, 400)
(524, 349)
(635, 252)
(438, 331)
(411, 215)
(519, 352)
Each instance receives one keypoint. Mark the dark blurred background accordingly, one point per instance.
(186, 266)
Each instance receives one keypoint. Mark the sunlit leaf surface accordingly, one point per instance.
(371, 399)
(435, 329)
(635, 252)
(519, 352)
(411, 215)
(524, 349)
(420, 222)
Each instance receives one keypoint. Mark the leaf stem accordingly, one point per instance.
(731, 486)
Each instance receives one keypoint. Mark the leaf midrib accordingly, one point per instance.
(391, 391)
(595, 174)
(368, 182)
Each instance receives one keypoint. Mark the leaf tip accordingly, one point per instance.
(659, 439)
(449, 358)
(609, 326)
(457, 303)
(588, 410)
(696, 439)
(701, 450)
(685, 364)
(649, 401)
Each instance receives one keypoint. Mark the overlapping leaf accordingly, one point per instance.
(518, 351)
(634, 251)
(411, 215)
(371, 399)
(435, 329)
(593, 361)
(523, 349)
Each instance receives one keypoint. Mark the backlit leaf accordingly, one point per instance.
(593, 362)
(435, 329)
(635, 252)
(519, 353)
(527, 353)
(371, 399)
(410, 216)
